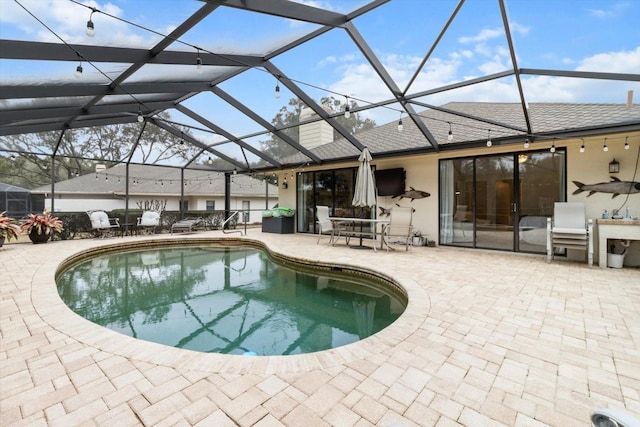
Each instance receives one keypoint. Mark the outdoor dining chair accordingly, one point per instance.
(400, 226)
(569, 229)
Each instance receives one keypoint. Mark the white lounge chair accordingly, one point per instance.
(569, 229)
(102, 223)
(149, 221)
(325, 225)
(400, 225)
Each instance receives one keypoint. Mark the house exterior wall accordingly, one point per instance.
(590, 167)
(81, 203)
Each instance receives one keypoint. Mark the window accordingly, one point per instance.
(246, 206)
(211, 205)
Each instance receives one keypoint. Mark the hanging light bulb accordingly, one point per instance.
(582, 146)
(235, 171)
(400, 126)
(489, 143)
(526, 143)
(199, 63)
(553, 147)
(90, 28)
(450, 136)
(605, 147)
(210, 160)
(626, 143)
(278, 90)
(140, 116)
(347, 112)
(78, 73)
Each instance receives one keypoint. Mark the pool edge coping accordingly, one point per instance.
(54, 312)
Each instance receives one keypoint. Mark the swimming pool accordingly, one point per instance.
(230, 300)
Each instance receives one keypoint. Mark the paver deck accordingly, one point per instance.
(488, 339)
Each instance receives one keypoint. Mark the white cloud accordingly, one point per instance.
(327, 60)
(68, 21)
(518, 28)
(361, 81)
(615, 10)
(613, 62)
(484, 35)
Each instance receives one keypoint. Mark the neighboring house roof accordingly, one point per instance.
(6, 188)
(159, 180)
(505, 120)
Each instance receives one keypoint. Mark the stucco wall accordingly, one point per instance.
(590, 167)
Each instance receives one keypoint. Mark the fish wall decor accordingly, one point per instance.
(412, 194)
(387, 211)
(615, 187)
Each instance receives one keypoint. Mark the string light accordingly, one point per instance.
(450, 135)
(489, 143)
(347, 111)
(199, 63)
(277, 94)
(90, 28)
(140, 116)
(526, 143)
(79, 71)
(605, 148)
(626, 142)
(400, 126)
(553, 146)
(582, 146)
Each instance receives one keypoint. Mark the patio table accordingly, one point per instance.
(339, 224)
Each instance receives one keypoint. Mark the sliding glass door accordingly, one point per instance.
(500, 201)
(333, 188)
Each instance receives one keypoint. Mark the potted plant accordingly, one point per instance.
(40, 227)
(8, 229)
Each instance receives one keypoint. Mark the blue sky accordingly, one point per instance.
(599, 36)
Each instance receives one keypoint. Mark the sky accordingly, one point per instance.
(585, 35)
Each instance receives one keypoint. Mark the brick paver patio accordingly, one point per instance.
(488, 339)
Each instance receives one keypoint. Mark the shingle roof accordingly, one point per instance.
(146, 179)
(545, 118)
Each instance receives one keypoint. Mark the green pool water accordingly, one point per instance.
(227, 300)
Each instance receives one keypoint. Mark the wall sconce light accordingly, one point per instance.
(614, 166)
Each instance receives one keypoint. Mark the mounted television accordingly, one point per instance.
(390, 182)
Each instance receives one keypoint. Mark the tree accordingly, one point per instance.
(80, 149)
(288, 117)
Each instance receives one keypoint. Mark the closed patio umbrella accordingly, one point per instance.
(364, 194)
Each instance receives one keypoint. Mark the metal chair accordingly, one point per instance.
(149, 221)
(102, 223)
(570, 229)
(400, 225)
(325, 225)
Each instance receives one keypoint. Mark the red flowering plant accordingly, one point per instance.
(8, 228)
(43, 223)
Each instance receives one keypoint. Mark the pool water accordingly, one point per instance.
(227, 300)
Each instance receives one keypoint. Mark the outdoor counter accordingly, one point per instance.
(623, 229)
